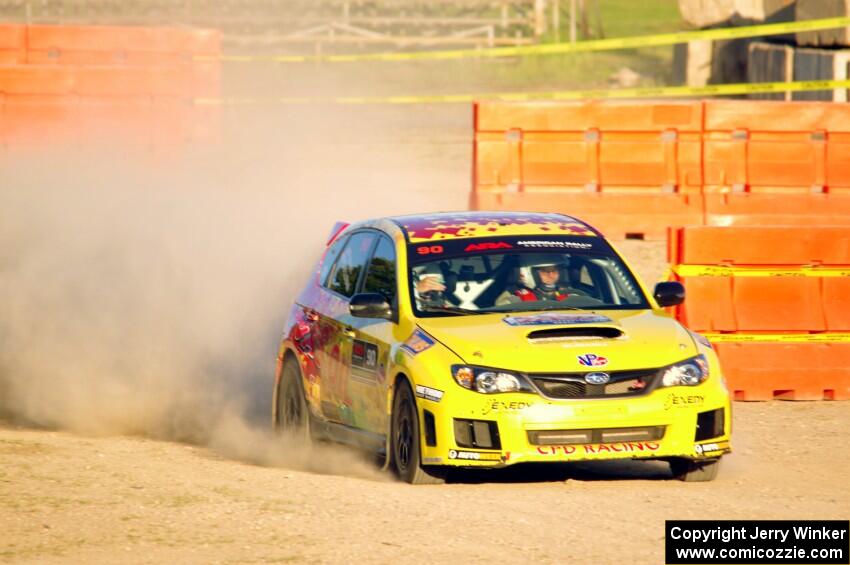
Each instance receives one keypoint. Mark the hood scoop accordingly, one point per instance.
(575, 334)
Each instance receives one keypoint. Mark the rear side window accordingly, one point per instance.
(380, 277)
(330, 258)
(346, 272)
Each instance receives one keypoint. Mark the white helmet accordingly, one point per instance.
(531, 262)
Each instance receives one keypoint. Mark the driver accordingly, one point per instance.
(539, 277)
(430, 287)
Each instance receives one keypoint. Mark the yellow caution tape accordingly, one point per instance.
(645, 92)
(786, 338)
(555, 48)
(729, 271)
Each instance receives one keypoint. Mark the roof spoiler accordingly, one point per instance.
(338, 228)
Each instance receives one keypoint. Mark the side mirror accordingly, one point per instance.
(370, 305)
(669, 293)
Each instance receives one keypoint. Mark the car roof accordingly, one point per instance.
(463, 225)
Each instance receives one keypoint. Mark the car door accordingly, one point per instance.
(371, 345)
(337, 326)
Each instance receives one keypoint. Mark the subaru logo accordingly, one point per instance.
(597, 378)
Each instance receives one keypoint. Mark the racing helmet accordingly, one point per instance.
(531, 263)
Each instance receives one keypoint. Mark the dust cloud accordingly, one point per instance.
(144, 294)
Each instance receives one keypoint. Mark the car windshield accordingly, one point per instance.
(475, 276)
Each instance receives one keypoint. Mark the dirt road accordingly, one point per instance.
(66, 498)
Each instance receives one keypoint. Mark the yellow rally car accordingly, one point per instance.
(487, 339)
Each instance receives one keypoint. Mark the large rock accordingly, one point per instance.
(707, 13)
(768, 62)
(692, 63)
(815, 9)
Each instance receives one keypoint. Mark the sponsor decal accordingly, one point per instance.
(597, 378)
(711, 448)
(488, 245)
(592, 360)
(620, 447)
(501, 406)
(418, 342)
(557, 244)
(553, 319)
(674, 400)
(428, 393)
(364, 355)
(474, 456)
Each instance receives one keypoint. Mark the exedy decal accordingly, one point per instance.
(673, 400)
(502, 406)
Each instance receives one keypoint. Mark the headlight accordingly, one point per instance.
(687, 373)
(489, 381)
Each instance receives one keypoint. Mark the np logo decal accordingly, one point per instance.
(597, 378)
(592, 360)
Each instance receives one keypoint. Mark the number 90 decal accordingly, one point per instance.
(429, 249)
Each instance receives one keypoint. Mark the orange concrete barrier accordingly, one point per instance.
(628, 168)
(775, 299)
(12, 44)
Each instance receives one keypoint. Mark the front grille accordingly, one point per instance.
(572, 385)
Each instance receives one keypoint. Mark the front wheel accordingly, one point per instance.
(405, 440)
(692, 471)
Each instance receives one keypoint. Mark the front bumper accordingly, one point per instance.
(472, 430)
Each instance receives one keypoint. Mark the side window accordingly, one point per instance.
(380, 277)
(329, 259)
(351, 262)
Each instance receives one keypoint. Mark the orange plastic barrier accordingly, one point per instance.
(776, 163)
(95, 81)
(71, 84)
(634, 168)
(778, 278)
(30, 121)
(787, 371)
(12, 44)
(778, 300)
(129, 46)
(604, 162)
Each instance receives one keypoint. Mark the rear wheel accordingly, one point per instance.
(293, 416)
(692, 471)
(405, 440)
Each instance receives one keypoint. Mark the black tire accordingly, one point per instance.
(293, 415)
(692, 471)
(405, 440)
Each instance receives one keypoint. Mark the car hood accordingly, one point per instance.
(605, 340)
